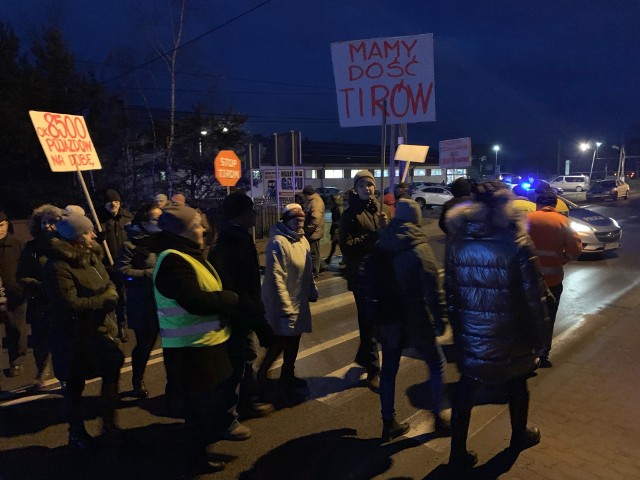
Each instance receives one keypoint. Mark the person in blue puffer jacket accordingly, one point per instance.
(497, 305)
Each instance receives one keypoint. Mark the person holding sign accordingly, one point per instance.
(112, 220)
(83, 333)
(360, 227)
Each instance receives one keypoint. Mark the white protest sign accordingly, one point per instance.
(395, 70)
(412, 153)
(66, 142)
(455, 153)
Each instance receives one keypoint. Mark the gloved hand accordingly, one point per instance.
(228, 298)
(110, 299)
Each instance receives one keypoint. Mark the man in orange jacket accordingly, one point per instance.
(556, 244)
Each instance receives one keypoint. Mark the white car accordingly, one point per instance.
(597, 232)
(432, 195)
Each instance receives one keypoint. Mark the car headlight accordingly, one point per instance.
(615, 223)
(580, 227)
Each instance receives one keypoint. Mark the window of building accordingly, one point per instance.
(311, 173)
(333, 173)
(419, 172)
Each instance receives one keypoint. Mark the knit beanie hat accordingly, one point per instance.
(176, 218)
(408, 210)
(179, 199)
(235, 204)
(3, 216)
(308, 190)
(71, 226)
(112, 195)
(76, 209)
(548, 198)
(292, 210)
(366, 174)
(161, 197)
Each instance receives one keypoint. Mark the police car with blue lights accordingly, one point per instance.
(597, 232)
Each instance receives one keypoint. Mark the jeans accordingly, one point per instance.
(391, 339)
(367, 356)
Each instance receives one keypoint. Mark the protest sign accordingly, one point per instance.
(455, 153)
(397, 71)
(227, 168)
(66, 141)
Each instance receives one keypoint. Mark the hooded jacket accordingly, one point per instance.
(78, 285)
(113, 231)
(358, 233)
(411, 279)
(496, 297)
(288, 282)
(135, 263)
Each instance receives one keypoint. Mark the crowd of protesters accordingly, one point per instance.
(164, 272)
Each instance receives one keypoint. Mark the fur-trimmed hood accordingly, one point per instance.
(74, 256)
(477, 219)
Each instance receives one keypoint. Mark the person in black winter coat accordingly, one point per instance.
(496, 300)
(360, 226)
(135, 263)
(113, 219)
(15, 315)
(30, 274)
(83, 333)
(461, 189)
(401, 278)
(235, 258)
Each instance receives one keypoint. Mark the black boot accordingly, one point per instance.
(459, 456)
(78, 436)
(140, 390)
(392, 429)
(109, 402)
(526, 439)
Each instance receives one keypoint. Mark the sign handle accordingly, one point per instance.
(93, 214)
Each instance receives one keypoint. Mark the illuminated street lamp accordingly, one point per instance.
(586, 146)
(496, 148)
(203, 133)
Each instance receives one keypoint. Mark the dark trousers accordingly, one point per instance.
(288, 346)
(17, 334)
(556, 290)
(145, 340)
(391, 340)
(39, 341)
(315, 255)
(240, 387)
(100, 357)
(367, 356)
(518, 395)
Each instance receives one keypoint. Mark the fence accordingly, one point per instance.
(266, 214)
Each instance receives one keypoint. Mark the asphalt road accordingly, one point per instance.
(332, 430)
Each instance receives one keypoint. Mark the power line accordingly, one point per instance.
(189, 42)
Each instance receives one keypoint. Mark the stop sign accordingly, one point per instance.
(226, 167)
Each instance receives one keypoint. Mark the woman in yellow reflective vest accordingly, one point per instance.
(192, 307)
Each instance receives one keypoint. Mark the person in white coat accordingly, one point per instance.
(287, 289)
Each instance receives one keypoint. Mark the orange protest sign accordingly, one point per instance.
(66, 141)
(227, 168)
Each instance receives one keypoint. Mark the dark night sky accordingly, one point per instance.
(524, 74)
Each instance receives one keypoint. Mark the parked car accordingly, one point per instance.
(326, 192)
(571, 183)
(608, 189)
(433, 195)
(597, 232)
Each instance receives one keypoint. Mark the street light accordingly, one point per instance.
(496, 148)
(586, 146)
(203, 133)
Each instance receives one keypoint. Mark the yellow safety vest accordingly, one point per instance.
(179, 328)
